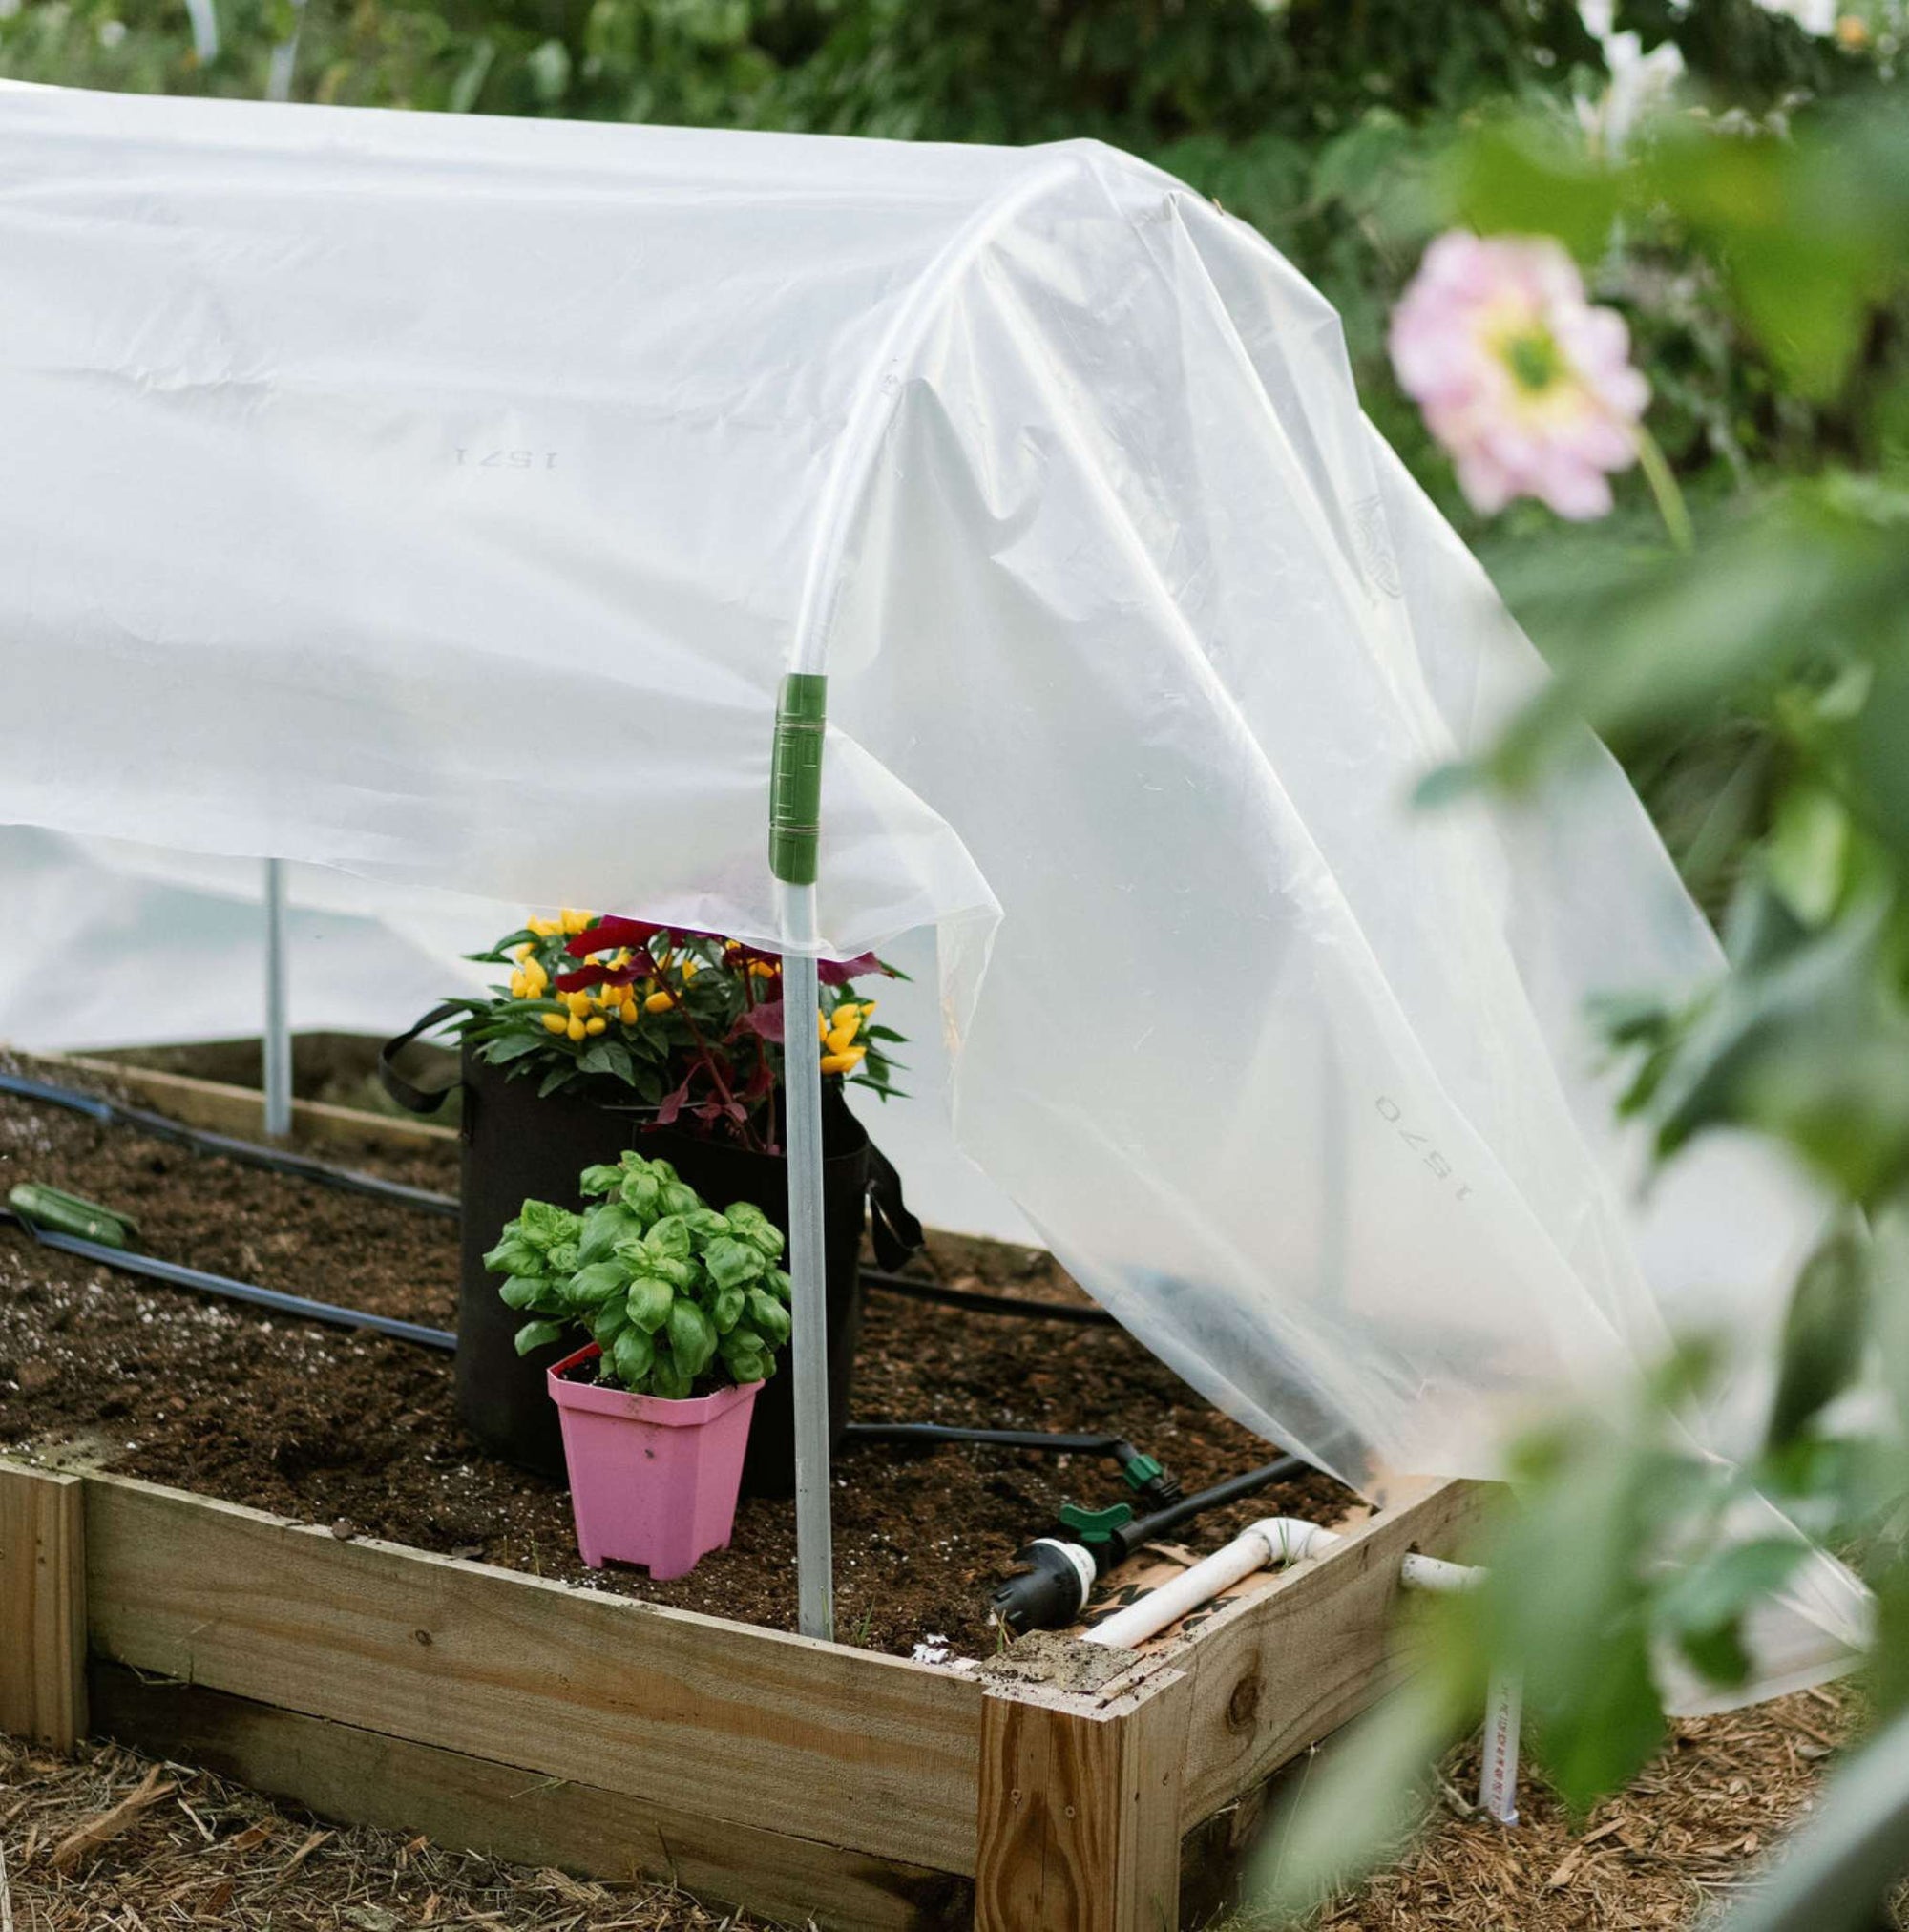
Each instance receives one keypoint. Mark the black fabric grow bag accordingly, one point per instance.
(518, 1147)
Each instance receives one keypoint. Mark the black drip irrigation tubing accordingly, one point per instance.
(96, 1107)
(936, 1433)
(985, 1304)
(174, 1276)
(280, 1161)
(1150, 1528)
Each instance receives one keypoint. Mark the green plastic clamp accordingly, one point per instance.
(41, 1205)
(1143, 1470)
(1095, 1525)
(795, 778)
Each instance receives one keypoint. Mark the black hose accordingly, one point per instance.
(1145, 1474)
(303, 1167)
(1129, 1536)
(174, 1276)
(984, 1304)
(98, 1107)
(1001, 1438)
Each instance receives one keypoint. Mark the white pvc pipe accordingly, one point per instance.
(278, 1038)
(1433, 1573)
(1276, 1540)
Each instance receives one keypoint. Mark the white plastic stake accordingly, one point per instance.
(1497, 1774)
(808, 1344)
(277, 1039)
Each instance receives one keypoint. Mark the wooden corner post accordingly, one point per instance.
(42, 1606)
(1079, 1798)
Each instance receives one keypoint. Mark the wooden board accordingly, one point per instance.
(1276, 1671)
(42, 1607)
(360, 1777)
(719, 1719)
(1078, 1810)
(224, 1109)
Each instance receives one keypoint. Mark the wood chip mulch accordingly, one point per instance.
(1689, 1836)
(109, 1841)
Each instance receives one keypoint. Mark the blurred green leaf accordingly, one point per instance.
(1824, 1334)
(1807, 850)
(1702, 1610)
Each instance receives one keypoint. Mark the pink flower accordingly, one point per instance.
(1525, 383)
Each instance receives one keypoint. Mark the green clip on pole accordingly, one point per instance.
(795, 816)
(795, 778)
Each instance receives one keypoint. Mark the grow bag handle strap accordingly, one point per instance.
(407, 1094)
(897, 1233)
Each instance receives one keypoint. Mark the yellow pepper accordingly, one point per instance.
(535, 972)
(659, 1002)
(543, 928)
(821, 1025)
(629, 1012)
(689, 967)
(576, 1028)
(521, 953)
(553, 1022)
(519, 986)
(596, 1024)
(580, 1004)
(573, 921)
(844, 1061)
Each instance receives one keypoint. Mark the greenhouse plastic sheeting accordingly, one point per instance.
(443, 499)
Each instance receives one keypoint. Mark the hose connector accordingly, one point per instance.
(795, 778)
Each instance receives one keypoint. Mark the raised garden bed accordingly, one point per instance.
(599, 1727)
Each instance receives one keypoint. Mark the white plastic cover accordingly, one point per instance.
(442, 500)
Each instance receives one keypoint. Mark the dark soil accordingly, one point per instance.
(349, 1429)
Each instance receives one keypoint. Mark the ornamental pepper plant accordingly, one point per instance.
(688, 1023)
(674, 1293)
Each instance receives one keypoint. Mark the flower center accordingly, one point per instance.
(1534, 359)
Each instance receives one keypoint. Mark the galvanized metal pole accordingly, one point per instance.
(277, 1039)
(794, 837)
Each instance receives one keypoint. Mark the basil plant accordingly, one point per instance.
(672, 1291)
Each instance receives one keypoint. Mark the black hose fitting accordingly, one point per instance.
(1047, 1589)
(1034, 1597)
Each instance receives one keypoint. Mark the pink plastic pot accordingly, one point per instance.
(651, 1481)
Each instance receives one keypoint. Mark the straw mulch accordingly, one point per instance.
(111, 1840)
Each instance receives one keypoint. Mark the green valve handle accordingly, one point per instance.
(1095, 1525)
(1143, 1470)
(795, 778)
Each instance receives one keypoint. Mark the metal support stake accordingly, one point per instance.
(278, 1043)
(795, 835)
